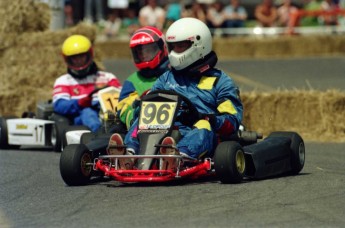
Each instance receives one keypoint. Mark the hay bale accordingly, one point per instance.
(315, 115)
(30, 58)
(21, 16)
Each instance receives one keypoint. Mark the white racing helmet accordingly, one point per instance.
(188, 29)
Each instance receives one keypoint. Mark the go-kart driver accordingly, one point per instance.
(150, 56)
(212, 91)
(72, 91)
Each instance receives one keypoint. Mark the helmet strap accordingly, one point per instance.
(200, 66)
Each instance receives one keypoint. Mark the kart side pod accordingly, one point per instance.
(269, 157)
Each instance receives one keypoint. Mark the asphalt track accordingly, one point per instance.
(32, 193)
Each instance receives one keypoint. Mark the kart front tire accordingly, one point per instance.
(297, 149)
(75, 168)
(229, 162)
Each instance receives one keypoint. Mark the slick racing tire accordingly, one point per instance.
(4, 134)
(76, 165)
(61, 123)
(229, 162)
(59, 131)
(297, 149)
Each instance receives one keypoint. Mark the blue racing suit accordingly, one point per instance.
(214, 94)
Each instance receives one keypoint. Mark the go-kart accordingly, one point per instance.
(44, 128)
(241, 155)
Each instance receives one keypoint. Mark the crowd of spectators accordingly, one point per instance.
(117, 17)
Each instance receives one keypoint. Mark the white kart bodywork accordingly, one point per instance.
(73, 137)
(30, 132)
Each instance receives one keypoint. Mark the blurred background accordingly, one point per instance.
(116, 19)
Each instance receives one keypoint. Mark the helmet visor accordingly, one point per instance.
(180, 46)
(79, 62)
(145, 52)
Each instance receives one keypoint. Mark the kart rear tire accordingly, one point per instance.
(59, 136)
(297, 149)
(4, 134)
(61, 123)
(73, 165)
(229, 162)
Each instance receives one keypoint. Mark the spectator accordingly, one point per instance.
(266, 13)
(152, 15)
(215, 15)
(90, 6)
(130, 21)
(329, 5)
(113, 25)
(68, 9)
(173, 12)
(195, 10)
(311, 20)
(283, 13)
(235, 15)
(77, 7)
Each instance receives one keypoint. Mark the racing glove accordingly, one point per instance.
(85, 102)
(211, 118)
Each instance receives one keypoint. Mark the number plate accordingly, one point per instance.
(108, 98)
(156, 115)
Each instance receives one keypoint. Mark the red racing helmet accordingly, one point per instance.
(148, 47)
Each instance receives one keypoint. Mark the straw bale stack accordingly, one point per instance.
(30, 55)
(315, 115)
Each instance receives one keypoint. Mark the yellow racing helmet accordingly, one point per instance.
(78, 54)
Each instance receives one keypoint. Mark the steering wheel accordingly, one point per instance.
(96, 90)
(188, 112)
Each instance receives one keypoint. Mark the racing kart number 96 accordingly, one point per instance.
(156, 115)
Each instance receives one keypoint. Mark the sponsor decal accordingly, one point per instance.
(171, 38)
(204, 68)
(21, 126)
(76, 91)
(142, 39)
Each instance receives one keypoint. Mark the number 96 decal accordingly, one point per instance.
(156, 115)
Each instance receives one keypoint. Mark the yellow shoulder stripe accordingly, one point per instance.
(227, 107)
(206, 82)
(203, 124)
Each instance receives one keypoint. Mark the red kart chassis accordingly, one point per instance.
(109, 168)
